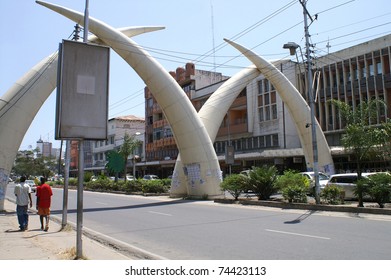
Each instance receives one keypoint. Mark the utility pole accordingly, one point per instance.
(67, 158)
(311, 101)
(79, 223)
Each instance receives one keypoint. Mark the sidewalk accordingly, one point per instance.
(35, 244)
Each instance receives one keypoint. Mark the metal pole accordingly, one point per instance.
(79, 223)
(66, 182)
(86, 16)
(134, 167)
(312, 106)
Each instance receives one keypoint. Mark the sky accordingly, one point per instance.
(194, 32)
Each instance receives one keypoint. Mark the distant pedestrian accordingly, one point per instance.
(23, 197)
(44, 196)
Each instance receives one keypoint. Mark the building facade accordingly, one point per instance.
(258, 127)
(44, 149)
(353, 75)
(117, 128)
(95, 152)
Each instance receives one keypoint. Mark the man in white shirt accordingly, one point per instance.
(23, 197)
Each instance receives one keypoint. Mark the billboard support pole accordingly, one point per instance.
(79, 226)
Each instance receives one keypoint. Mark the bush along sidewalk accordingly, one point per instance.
(294, 188)
(139, 186)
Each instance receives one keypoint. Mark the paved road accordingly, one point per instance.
(180, 229)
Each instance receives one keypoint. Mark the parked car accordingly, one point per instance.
(323, 180)
(32, 185)
(245, 172)
(347, 182)
(129, 177)
(150, 177)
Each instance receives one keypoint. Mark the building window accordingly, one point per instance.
(150, 103)
(379, 68)
(260, 87)
(157, 133)
(371, 70)
(267, 103)
(275, 140)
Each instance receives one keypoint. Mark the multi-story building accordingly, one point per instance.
(353, 75)
(117, 127)
(44, 148)
(258, 125)
(95, 152)
(160, 147)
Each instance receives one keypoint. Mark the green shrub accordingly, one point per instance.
(72, 182)
(153, 186)
(294, 186)
(100, 185)
(132, 186)
(291, 178)
(295, 193)
(261, 181)
(332, 195)
(234, 184)
(87, 176)
(166, 182)
(379, 188)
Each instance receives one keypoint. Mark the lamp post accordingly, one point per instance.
(134, 157)
(292, 48)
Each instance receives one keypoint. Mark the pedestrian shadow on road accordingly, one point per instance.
(301, 217)
(136, 206)
(12, 230)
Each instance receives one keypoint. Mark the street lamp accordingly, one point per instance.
(292, 49)
(134, 157)
(292, 46)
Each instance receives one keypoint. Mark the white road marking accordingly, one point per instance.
(159, 213)
(298, 234)
(102, 203)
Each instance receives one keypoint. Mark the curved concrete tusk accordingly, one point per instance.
(194, 144)
(298, 107)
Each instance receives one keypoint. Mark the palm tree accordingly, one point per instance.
(127, 148)
(362, 136)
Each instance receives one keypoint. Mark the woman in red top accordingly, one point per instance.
(44, 195)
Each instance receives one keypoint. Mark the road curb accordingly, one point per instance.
(306, 206)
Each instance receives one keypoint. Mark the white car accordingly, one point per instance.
(32, 185)
(129, 178)
(323, 179)
(347, 182)
(150, 177)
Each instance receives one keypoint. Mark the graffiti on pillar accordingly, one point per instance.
(193, 173)
(3, 182)
(175, 182)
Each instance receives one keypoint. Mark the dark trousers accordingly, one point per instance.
(23, 217)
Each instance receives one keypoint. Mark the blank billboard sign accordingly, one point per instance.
(82, 91)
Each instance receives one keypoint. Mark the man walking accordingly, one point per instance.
(44, 195)
(23, 197)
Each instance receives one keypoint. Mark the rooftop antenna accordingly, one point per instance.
(213, 36)
(328, 46)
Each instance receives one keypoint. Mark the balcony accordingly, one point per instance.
(240, 102)
(233, 129)
(169, 141)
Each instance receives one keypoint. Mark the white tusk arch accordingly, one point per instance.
(22, 101)
(213, 111)
(298, 107)
(196, 148)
